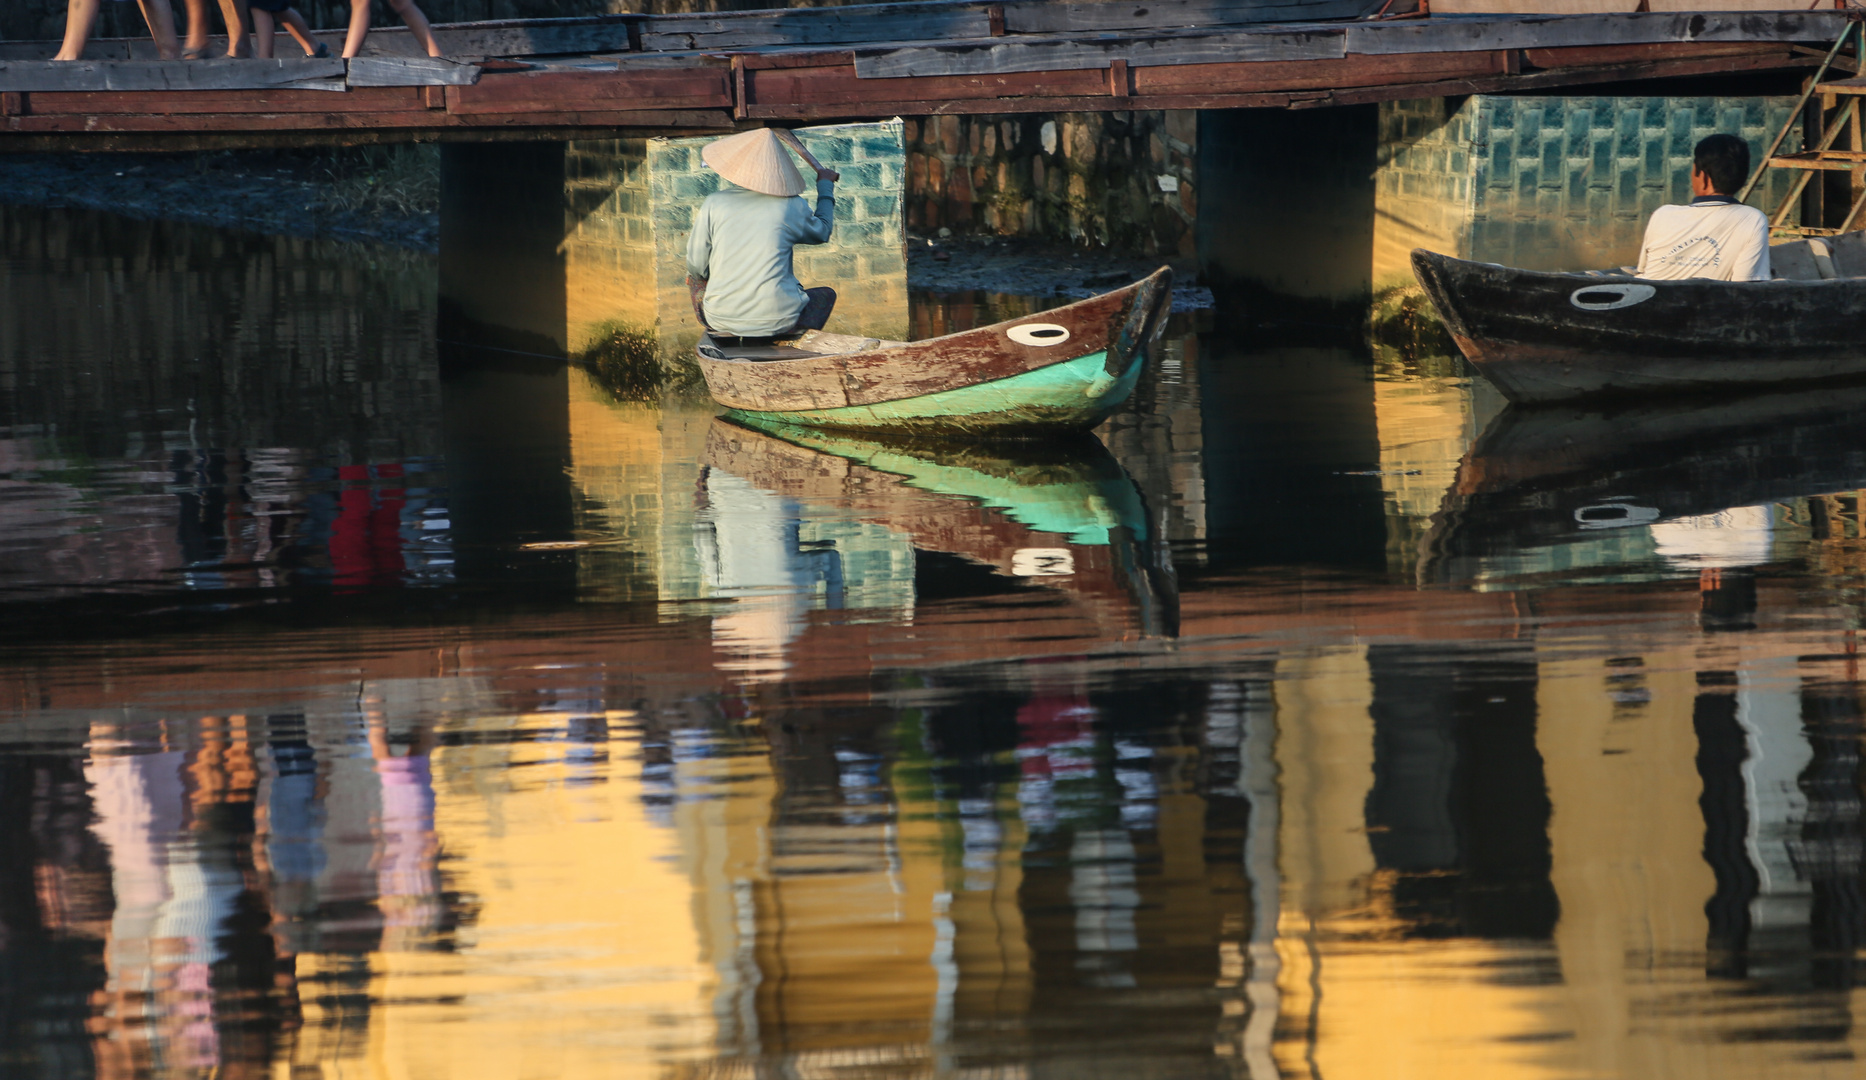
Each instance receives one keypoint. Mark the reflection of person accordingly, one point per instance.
(264, 28)
(1716, 236)
(408, 852)
(739, 254)
(359, 27)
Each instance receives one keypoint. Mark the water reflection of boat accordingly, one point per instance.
(1681, 484)
(1554, 336)
(1062, 515)
(1058, 370)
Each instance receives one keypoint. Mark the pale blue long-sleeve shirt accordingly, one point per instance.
(741, 244)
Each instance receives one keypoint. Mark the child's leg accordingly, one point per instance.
(194, 46)
(300, 30)
(263, 32)
(80, 16)
(161, 19)
(359, 28)
(239, 25)
(418, 24)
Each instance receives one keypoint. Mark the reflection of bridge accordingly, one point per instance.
(647, 73)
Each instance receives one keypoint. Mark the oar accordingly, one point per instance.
(790, 140)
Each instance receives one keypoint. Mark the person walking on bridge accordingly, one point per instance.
(417, 25)
(739, 255)
(81, 18)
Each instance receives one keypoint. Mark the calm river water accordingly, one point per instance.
(371, 710)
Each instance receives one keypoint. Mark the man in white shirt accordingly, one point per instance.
(1716, 236)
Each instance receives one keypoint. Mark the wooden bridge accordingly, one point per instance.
(647, 74)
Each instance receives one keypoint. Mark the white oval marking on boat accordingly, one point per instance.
(1042, 562)
(1038, 333)
(1608, 297)
(1614, 515)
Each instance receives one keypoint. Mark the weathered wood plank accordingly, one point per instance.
(1593, 55)
(52, 76)
(414, 120)
(1311, 74)
(537, 92)
(410, 71)
(1167, 88)
(840, 86)
(1555, 31)
(989, 55)
(203, 103)
(815, 26)
(1050, 17)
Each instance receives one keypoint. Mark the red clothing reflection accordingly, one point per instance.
(366, 540)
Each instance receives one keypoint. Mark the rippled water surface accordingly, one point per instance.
(373, 708)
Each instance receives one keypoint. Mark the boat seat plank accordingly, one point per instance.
(1849, 254)
(810, 343)
(1793, 261)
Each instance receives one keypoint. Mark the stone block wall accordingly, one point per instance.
(1120, 180)
(1547, 182)
(629, 208)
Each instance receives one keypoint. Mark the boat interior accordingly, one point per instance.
(810, 343)
(1820, 258)
(1816, 258)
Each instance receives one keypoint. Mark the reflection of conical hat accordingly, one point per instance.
(755, 160)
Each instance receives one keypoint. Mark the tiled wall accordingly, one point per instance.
(631, 206)
(1546, 182)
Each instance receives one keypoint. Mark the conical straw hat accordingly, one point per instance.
(755, 160)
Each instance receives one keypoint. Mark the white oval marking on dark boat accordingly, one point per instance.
(1614, 515)
(1038, 333)
(1608, 297)
(1042, 562)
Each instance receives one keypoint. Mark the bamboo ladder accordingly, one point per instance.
(1835, 120)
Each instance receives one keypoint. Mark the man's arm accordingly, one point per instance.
(816, 228)
(699, 260)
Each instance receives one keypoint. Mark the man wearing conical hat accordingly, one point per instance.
(739, 256)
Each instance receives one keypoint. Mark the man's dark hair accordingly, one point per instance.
(1725, 159)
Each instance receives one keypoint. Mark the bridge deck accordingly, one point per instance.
(710, 72)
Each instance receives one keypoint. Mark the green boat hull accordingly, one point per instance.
(1072, 395)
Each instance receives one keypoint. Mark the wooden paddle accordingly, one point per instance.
(789, 139)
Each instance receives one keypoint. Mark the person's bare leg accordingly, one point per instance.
(239, 26)
(300, 30)
(194, 46)
(359, 28)
(417, 24)
(263, 31)
(161, 19)
(80, 16)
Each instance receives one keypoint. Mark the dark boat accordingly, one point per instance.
(1562, 489)
(1542, 336)
(1059, 370)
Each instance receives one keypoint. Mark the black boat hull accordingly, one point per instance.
(1551, 337)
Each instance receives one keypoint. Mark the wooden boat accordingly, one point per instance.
(1553, 336)
(1572, 489)
(1058, 370)
(1060, 515)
